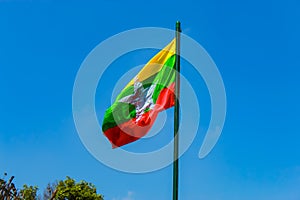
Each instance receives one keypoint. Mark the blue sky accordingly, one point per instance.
(254, 44)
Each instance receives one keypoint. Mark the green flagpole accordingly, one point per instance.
(176, 113)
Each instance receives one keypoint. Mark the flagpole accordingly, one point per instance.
(176, 113)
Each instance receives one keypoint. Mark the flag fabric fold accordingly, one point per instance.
(151, 91)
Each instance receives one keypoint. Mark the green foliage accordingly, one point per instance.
(70, 190)
(64, 190)
(29, 192)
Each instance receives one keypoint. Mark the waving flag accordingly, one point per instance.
(152, 90)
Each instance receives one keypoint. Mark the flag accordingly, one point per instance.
(151, 91)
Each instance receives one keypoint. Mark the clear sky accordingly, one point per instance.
(255, 45)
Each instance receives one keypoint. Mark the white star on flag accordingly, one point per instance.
(141, 98)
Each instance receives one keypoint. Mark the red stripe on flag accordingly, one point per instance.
(133, 130)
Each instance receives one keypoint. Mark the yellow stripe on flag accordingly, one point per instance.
(156, 63)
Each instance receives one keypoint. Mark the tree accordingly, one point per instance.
(63, 190)
(28, 192)
(50, 191)
(70, 190)
(8, 189)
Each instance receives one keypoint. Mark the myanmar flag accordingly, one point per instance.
(152, 90)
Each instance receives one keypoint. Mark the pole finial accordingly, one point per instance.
(178, 28)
